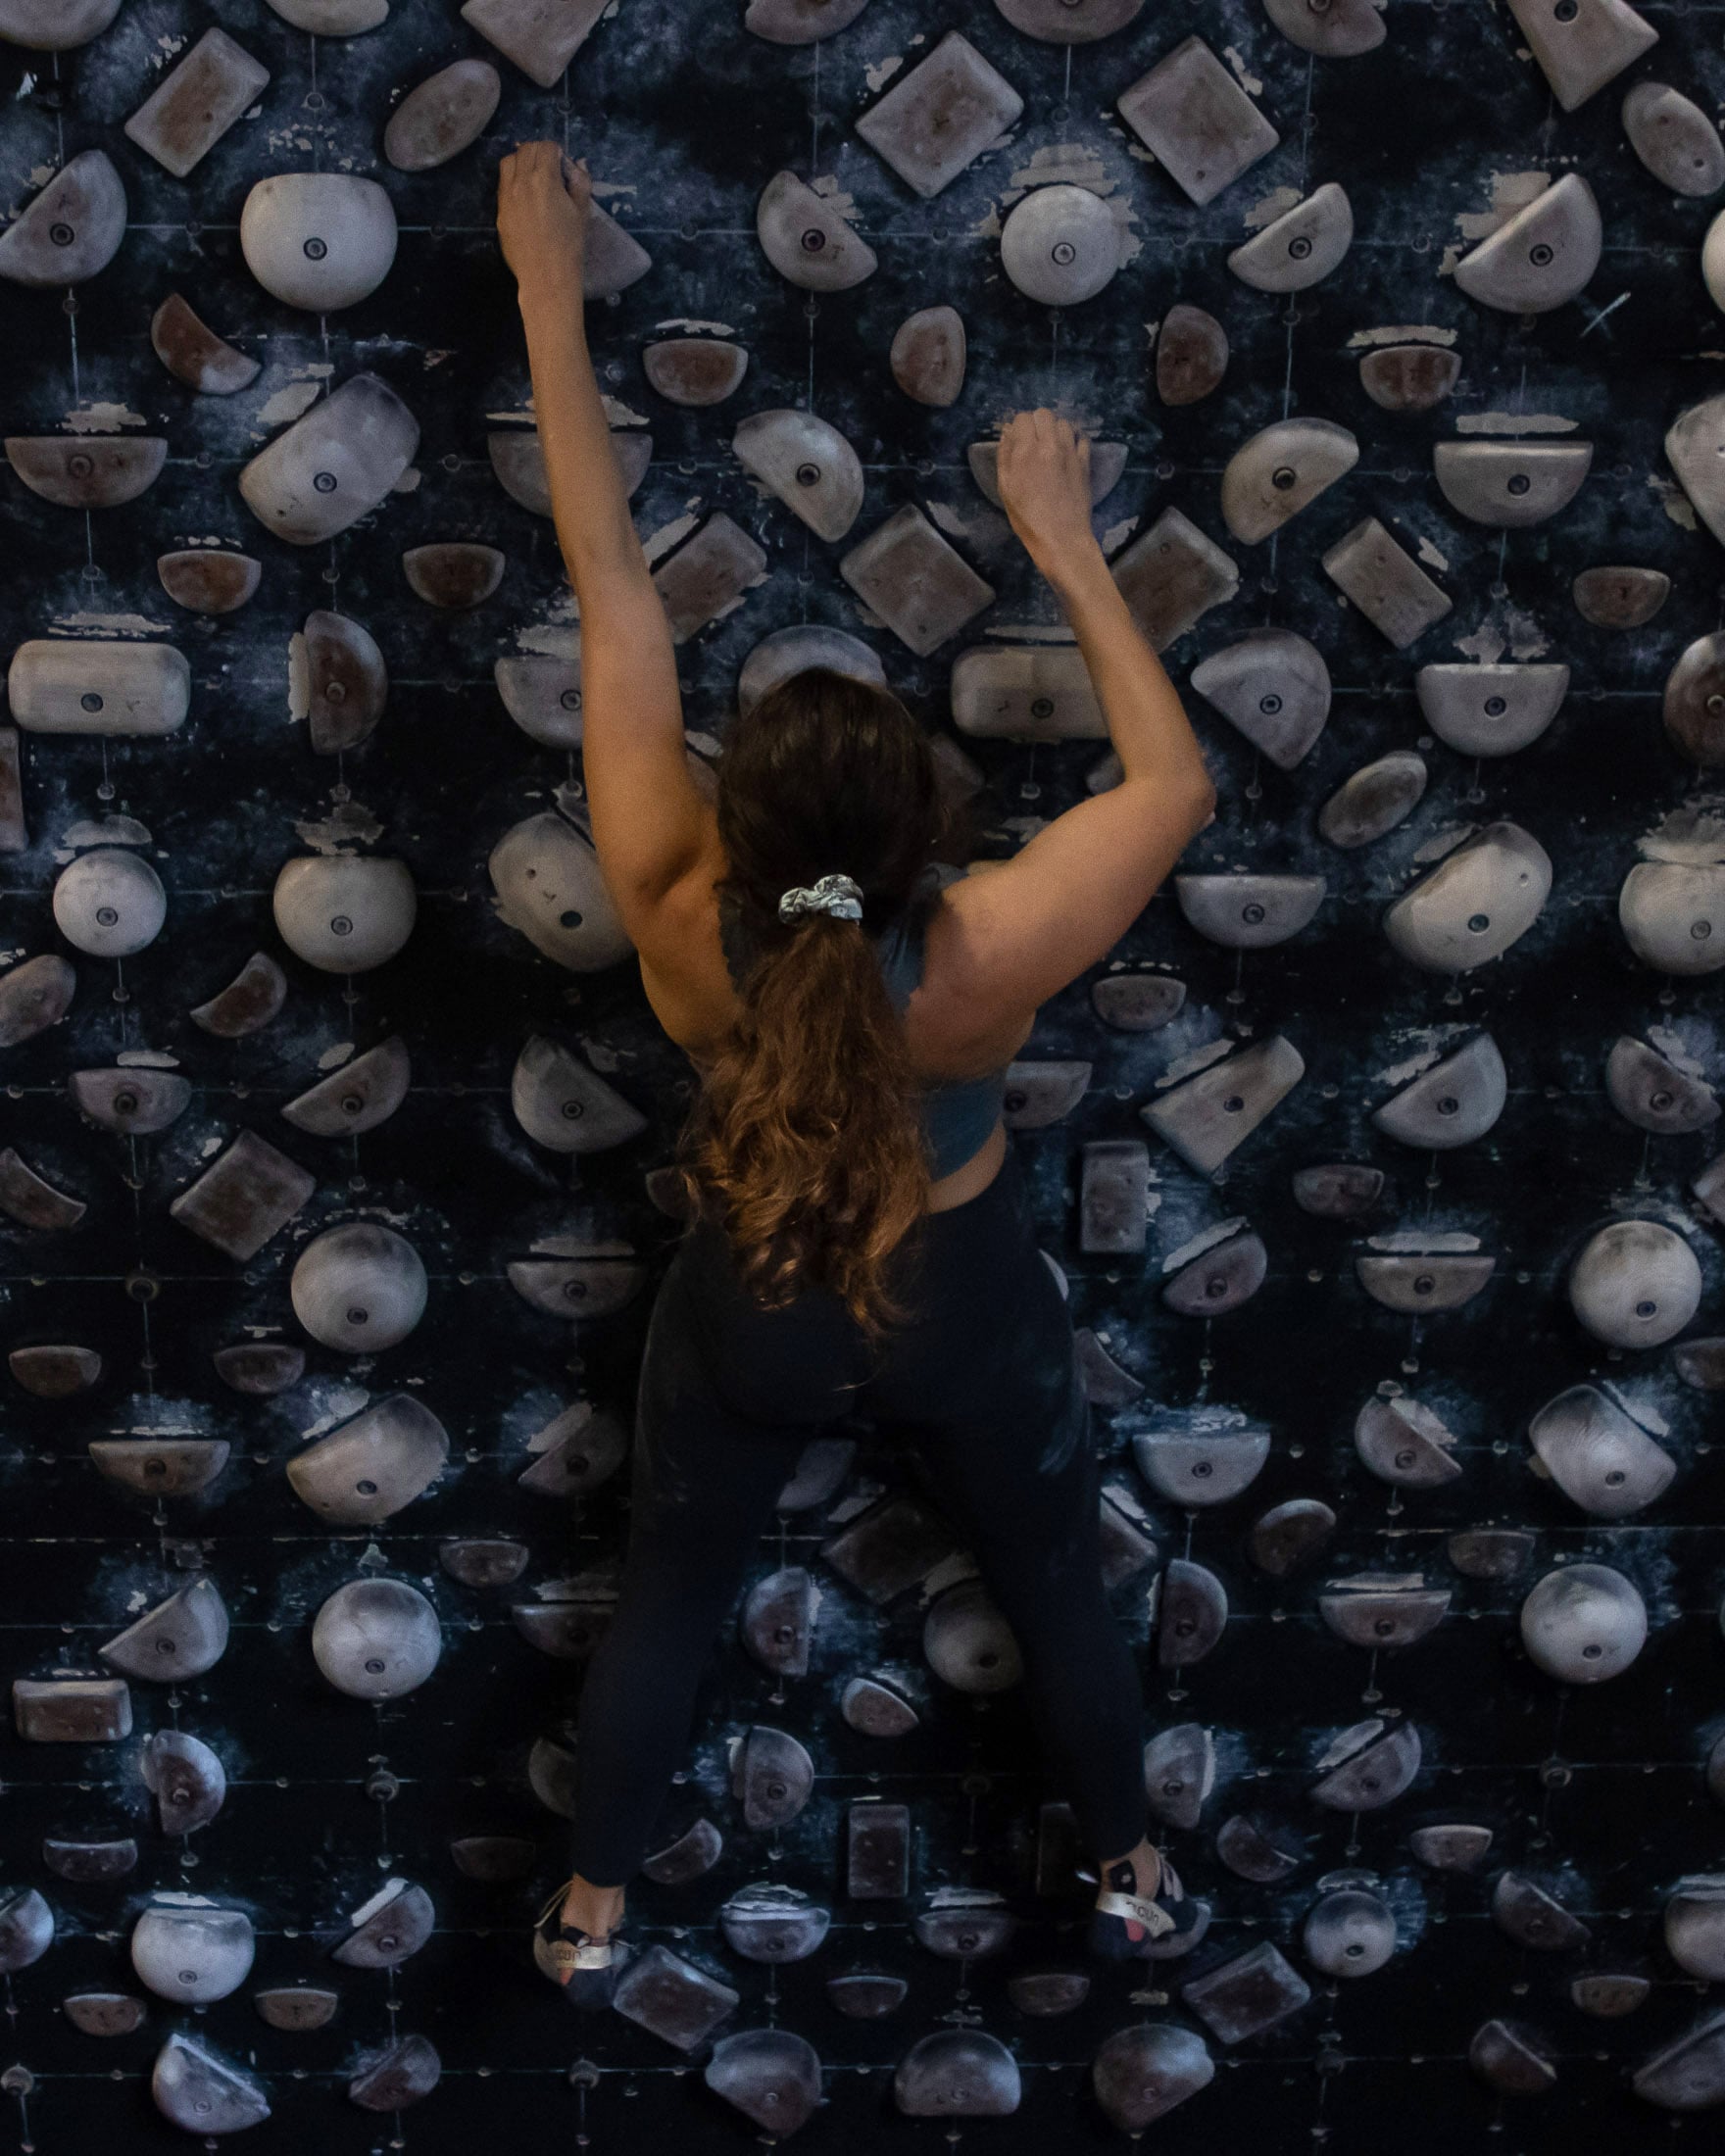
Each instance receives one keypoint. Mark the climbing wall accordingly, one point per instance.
(1379, 1164)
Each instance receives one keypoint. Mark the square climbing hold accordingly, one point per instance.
(942, 115)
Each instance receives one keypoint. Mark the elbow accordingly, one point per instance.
(1201, 804)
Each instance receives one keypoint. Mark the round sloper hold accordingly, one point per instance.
(373, 1465)
(1107, 459)
(877, 1710)
(1635, 1284)
(1139, 2075)
(1031, 692)
(55, 1370)
(968, 1642)
(358, 1097)
(91, 685)
(1455, 1846)
(204, 581)
(927, 356)
(344, 912)
(691, 1855)
(1673, 916)
(296, 2008)
(551, 1773)
(1510, 2060)
(807, 464)
(1610, 1995)
(1694, 1925)
(1039, 1093)
(865, 1994)
(766, 1922)
(109, 903)
(393, 1924)
(1334, 30)
(562, 1103)
(195, 355)
(185, 1948)
(548, 884)
(132, 1099)
(1289, 1535)
(72, 230)
(576, 1453)
(165, 1467)
(1061, 244)
(1674, 139)
(441, 117)
(55, 26)
(1220, 1279)
(1369, 1766)
(518, 457)
(1694, 445)
(769, 2076)
(1350, 1932)
(778, 1623)
(805, 239)
(1197, 1460)
(957, 2074)
(1654, 1094)
(1701, 1363)
(32, 1201)
(359, 1287)
(1247, 911)
(1531, 1917)
(1070, 21)
(1300, 246)
(1403, 1443)
(1409, 377)
(77, 473)
(202, 2094)
(1255, 1847)
(1489, 1552)
(1714, 262)
(1383, 1611)
(1136, 1002)
(1045, 1993)
(1620, 597)
(1373, 800)
(26, 1929)
(1583, 1624)
(1688, 2074)
(1179, 1772)
(1695, 702)
(543, 695)
(1191, 1613)
(1190, 353)
(773, 1776)
(1543, 257)
(396, 2077)
(1508, 485)
(376, 1639)
(1490, 710)
(103, 2013)
(1455, 1101)
(694, 372)
(1273, 685)
(249, 1001)
(183, 1637)
(337, 680)
(335, 464)
(784, 653)
(1426, 1280)
(332, 17)
(1281, 471)
(455, 573)
(1477, 901)
(260, 1367)
(319, 241)
(799, 21)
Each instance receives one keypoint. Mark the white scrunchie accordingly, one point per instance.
(838, 894)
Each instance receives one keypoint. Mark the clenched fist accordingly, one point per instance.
(543, 198)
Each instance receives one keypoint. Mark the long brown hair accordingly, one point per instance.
(806, 1137)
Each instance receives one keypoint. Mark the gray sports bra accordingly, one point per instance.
(958, 1113)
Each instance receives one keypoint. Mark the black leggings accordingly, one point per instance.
(983, 1381)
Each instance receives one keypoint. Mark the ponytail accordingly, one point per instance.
(807, 1133)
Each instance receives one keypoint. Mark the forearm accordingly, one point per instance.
(1147, 721)
(589, 508)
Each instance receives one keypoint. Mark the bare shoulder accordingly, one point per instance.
(684, 968)
(958, 1017)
